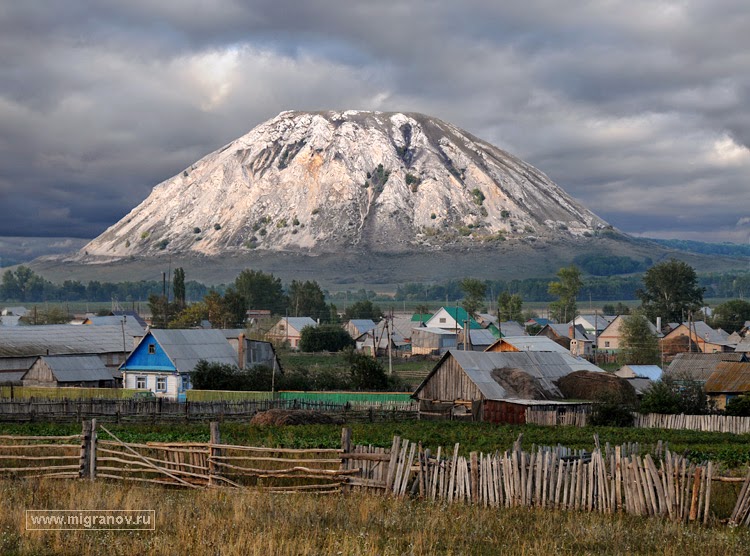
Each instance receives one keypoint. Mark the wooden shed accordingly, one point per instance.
(69, 370)
(471, 385)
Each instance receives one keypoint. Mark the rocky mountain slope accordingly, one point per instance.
(328, 182)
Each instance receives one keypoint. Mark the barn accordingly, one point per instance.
(490, 386)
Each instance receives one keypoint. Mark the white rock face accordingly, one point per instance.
(327, 181)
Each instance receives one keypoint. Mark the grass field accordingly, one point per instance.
(250, 522)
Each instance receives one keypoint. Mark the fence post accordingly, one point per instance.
(83, 470)
(213, 451)
(92, 451)
(474, 482)
(346, 447)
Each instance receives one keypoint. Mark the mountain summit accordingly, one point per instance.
(325, 182)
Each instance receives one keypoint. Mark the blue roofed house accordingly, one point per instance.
(163, 359)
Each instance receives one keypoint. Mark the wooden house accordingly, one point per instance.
(432, 341)
(469, 384)
(609, 339)
(563, 333)
(452, 318)
(288, 330)
(163, 359)
(593, 324)
(698, 334)
(699, 366)
(729, 380)
(526, 343)
(357, 327)
(69, 370)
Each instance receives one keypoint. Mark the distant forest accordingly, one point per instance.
(30, 287)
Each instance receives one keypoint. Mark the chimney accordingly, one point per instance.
(241, 350)
(658, 324)
(571, 332)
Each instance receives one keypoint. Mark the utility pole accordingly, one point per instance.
(390, 341)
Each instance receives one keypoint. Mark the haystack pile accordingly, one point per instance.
(295, 417)
(588, 385)
(519, 384)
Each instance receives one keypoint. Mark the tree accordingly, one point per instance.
(162, 311)
(261, 291)
(639, 344)
(191, 316)
(326, 337)
(367, 373)
(178, 286)
(739, 406)
(731, 315)
(509, 307)
(220, 376)
(670, 291)
(566, 289)
(474, 291)
(674, 395)
(306, 299)
(363, 310)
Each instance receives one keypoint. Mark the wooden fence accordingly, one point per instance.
(608, 479)
(706, 423)
(160, 409)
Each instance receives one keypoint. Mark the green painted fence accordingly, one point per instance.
(40, 392)
(225, 395)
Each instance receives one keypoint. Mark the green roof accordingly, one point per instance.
(460, 315)
(421, 317)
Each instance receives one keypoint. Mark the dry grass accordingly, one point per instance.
(250, 522)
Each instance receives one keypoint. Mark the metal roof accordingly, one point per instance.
(511, 328)
(362, 325)
(298, 323)
(186, 347)
(546, 367)
(534, 343)
(698, 366)
(729, 377)
(744, 345)
(640, 384)
(77, 368)
(132, 326)
(482, 337)
(16, 363)
(60, 339)
(653, 372)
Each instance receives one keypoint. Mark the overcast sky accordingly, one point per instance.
(638, 108)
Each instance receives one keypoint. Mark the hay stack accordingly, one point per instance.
(519, 384)
(295, 417)
(588, 385)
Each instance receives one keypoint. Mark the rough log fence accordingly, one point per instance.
(609, 479)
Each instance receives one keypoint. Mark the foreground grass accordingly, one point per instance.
(250, 522)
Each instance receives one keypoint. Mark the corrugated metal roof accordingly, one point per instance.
(433, 330)
(60, 339)
(698, 366)
(640, 384)
(546, 367)
(729, 377)
(186, 347)
(535, 343)
(653, 372)
(511, 328)
(744, 345)
(362, 325)
(16, 363)
(482, 337)
(298, 323)
(77, 368)
(132, 326)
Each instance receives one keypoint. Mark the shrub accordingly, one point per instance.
(295, 222)
(196, 230)
(315, 211)
(326, 337)
(478, 196)
(281, 223)
(366, 372)
(163, 244)
(262, 232)
(217, 226)
(145, 235)
(433, 216)
(610, 412)
(504, 214)
(127, 243)
(739, 406)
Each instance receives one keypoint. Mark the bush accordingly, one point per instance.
(218, 376)
(609, 412)
(196, 230)
(217, 226)
(739, 406)
(478, 196)
(326, 337)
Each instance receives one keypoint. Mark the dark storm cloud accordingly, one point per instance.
(639, 108)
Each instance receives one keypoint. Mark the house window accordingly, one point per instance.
(140, 382)
(606, 344)
(152, 348)
(161, 384)
(442, 320)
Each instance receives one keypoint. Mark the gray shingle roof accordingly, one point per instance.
(186, 347)
(61, 339)
(77, 368)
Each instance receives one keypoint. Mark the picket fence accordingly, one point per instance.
(625, 478)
